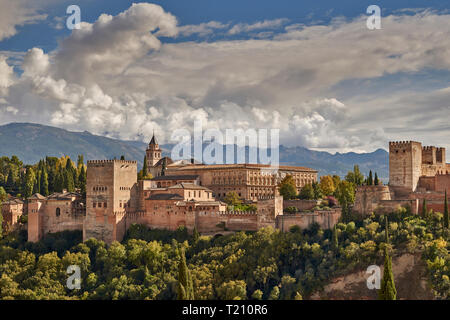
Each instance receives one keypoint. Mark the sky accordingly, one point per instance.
(311, 69)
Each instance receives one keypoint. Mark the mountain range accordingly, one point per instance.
(32, 142)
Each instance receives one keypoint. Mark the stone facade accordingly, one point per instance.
(58, 212)
(416, 173)
(182, 193)
(12, 210)
(249, 181)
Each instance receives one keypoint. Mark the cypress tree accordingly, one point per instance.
(387, 289)
(10, 181)
(445, 210)
(82, 180)
(370, 179)
(44, 183)
(185, 287)
(29, 183)
(424, 208)
(68, 179)
(195, 236)
(145, 168)
(335, 238)
(386, 229)
(376, 181)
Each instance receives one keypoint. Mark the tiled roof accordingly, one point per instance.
(63, 196)
(13, 201)
(160, 162)
(184, 185)
(176, 177)
(37, 196)
(241, 166)
(165, 196)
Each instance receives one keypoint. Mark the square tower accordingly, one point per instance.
(405, 164)
(111, 189)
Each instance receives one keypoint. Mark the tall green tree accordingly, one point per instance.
(335, 243)
(307, 192)
(355, 176)
(446, 210)
(345, 193)
(145, 167)
(82, 181)
(424, 208)
(370, 179)
(287, 188)
(185, 285)
(317, 190)
(44, 182)
(386, 229)
(376, 180)
(29, 183)
(387, 290)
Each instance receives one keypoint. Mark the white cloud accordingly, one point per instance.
(6, 76)
(16, 13)
(115, 77)
(202, 29)
(266, 24)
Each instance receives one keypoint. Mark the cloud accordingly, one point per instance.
(266, 24)
(116, 77)
(202, 29)
(17, 13)
(6, 76)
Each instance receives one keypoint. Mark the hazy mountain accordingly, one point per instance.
(31, 142)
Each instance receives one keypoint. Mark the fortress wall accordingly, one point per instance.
(231, 220)
(368, 197)
(389, 206)
(301, 205)
(326, 219)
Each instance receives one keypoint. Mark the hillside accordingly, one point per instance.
(31, 142)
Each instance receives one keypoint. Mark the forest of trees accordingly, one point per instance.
(161, 264)
(267, 264)
(46, 177)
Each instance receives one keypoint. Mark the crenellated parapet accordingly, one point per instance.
(230, 213)
(111, 161)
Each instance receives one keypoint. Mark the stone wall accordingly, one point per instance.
(112, 183)
(301, 205)
(367, 198)
(326, 219)
(405, 164)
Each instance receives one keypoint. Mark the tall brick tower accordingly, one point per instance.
(111, 189)
(153, 152)
(405, 165)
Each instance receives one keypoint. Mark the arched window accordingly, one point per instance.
(58, 212)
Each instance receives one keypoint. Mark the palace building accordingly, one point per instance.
(181, 193)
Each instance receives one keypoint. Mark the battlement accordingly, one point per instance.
(230, 213)
(402, 144)
(111, 161)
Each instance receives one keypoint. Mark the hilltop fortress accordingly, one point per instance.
(416, 173)
(181, 193)
(190, 194)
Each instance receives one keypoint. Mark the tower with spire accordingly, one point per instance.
(153, 152)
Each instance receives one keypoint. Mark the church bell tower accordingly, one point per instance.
(153, 152)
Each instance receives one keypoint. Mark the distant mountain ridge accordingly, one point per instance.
(32, 142)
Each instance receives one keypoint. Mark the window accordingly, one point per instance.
(105, 205)
(94, 204)
(58, 212)
(99, 204)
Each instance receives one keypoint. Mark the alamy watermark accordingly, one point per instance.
(374, 21)
(74, 279)
(74, 20)
(374, 280)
